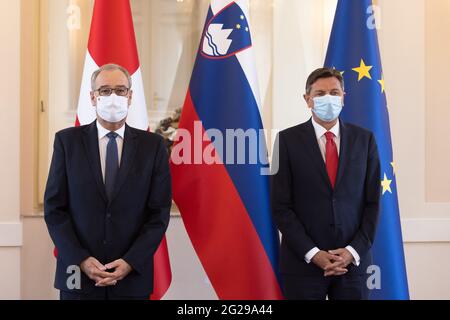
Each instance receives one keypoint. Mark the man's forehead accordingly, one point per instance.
(112, 76)
(326, 83)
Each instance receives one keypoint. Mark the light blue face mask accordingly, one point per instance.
(327, 108)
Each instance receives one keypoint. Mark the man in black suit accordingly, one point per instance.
(108, 198)
(325, 198)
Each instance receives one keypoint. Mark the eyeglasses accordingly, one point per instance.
(106, 92)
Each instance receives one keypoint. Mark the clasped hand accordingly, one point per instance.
(333, 262)
(105, 275)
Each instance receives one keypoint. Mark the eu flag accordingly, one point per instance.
(353, 50)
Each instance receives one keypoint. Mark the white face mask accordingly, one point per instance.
(327, 108)
(112, 108)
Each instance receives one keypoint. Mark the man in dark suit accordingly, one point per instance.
(108, 198)
(325, 198)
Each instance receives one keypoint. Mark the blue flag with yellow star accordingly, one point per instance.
(353, 49)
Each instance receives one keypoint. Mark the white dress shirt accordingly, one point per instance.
(103, 143)
(322, 141)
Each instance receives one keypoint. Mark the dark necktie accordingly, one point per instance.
(331, 157)
(111, 164)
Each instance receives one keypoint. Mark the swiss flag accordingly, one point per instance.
(112, 40)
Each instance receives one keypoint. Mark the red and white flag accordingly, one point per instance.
(112, 40)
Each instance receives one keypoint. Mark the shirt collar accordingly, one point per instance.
(102, 132)
(320, 131)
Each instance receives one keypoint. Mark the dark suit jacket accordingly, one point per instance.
(83, 223)
(306, 209)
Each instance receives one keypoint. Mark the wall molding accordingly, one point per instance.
(425, 230)
(413, 230)
(11, 234)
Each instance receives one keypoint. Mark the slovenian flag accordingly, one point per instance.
(224, 198)
(112, 40)
(353, 50)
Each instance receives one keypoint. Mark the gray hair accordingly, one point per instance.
(110, 67)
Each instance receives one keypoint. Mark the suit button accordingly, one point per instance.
(105, 242)
(108, 215)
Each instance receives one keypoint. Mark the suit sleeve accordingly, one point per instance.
(363, 240)
(158, 214)
(292, 229)
(57, 216)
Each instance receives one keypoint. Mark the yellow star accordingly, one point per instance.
(386, 184)
(242, 17)
(381, 82)
(238, 26)
(363, 71)
(246, 29)
(393, 167)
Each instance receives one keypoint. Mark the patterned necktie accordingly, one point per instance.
(331, 157)
(111, 164)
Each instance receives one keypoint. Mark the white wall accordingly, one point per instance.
(404, 39)
(10, 227)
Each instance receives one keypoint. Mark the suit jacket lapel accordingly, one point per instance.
(310, 140)
(343, 152)
(90, 141)
(128, 154)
